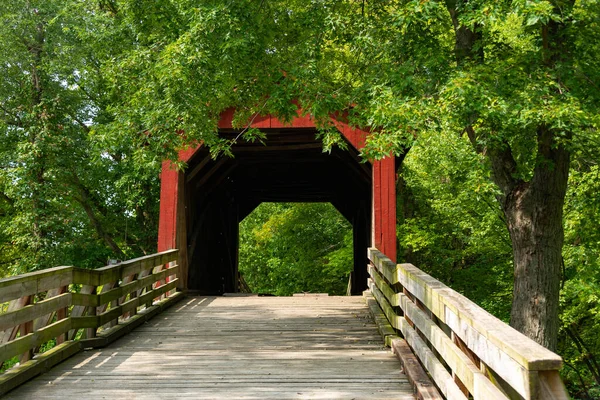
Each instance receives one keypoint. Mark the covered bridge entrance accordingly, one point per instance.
(202, 206)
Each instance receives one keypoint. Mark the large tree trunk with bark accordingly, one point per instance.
(534, 212)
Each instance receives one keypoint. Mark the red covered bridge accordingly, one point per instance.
(200, 209)
(234, 346)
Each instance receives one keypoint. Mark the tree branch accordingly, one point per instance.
(16, 121)
(588, 357)
(84, 199)
(502, 161)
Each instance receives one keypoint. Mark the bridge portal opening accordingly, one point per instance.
(288, 166)
(288, 248)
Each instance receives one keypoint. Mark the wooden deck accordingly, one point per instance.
(311, 347)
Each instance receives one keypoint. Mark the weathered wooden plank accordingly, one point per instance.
(551, 386)
(435, 368)
(384, 304)
(383, 325)
(124, 283)
(29, 313)
(110, 335)
(156, 292)
(14, 305)
(149, 262)
(79, 311)
(425, 354)
(34, 282)
(424, 388)
(43, 320)
(499, 361)
(92, 321)
(477, 383)
(105, 298)
(384, 287)
(117, 272)
(81, 299)
(31, 340)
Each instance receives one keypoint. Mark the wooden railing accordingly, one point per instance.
(465, 350)
(66, 309)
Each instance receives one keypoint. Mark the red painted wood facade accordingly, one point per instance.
(383, 203)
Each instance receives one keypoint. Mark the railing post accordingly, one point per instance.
(132, 295)
(27, 328)
(170, 278)
(61, 314)
(114, 304)
(91, 332)
(149, 288)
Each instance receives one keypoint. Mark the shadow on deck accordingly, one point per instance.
(313, 347)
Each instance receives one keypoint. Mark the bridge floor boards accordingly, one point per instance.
(311, 347)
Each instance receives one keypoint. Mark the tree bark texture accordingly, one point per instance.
(534, 213)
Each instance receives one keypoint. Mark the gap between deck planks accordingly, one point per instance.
(237, 348)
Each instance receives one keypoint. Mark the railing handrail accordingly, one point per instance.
(100, 274)
(491, 359)
(527, 353)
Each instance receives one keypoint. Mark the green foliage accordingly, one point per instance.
(295, 248)
(450, 224)
(67, 195)
(579, 342)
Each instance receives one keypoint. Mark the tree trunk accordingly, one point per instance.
(533, 209)
(534, 212)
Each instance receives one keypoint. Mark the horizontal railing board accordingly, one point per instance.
(438, 297)
(514, 363)
(384, 304)
(113, 273)
(92, 321)
(101, 292)
(477, 384)
(34, 339)
(383, 325)
(136, 285)
(42, 362)
(424, 388)
(455, 358)
(436, 369)
(96, 300)
(40, 281)
(33, 311)
(18, 288)
(34, 282)
(511, 371)
(388, 292)
(146, 297)
(108, 336)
